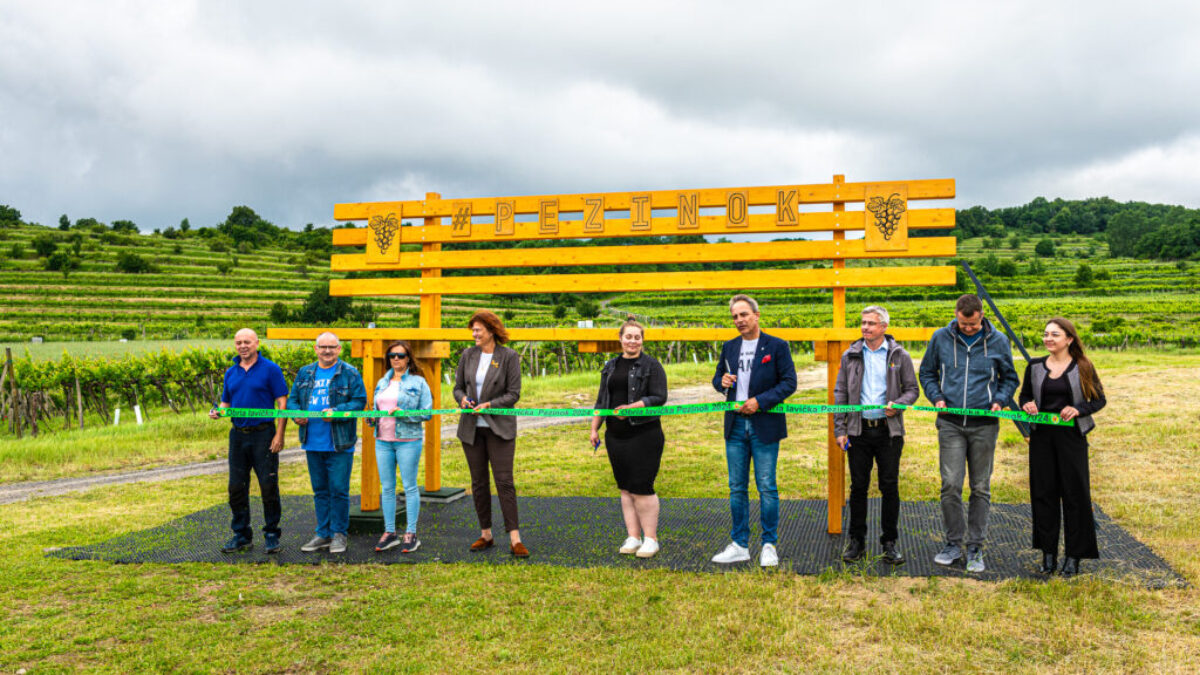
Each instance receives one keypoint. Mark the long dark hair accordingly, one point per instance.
(1088, 381)
(413, 367)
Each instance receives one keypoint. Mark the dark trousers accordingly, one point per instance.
(1059, 483)
(489, 448)
(252, 451)
(875, 447)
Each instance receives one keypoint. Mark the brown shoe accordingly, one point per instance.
(519, 550)
(481, 544)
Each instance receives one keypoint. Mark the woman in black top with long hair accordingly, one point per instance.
(1064, 382)
(635, 444)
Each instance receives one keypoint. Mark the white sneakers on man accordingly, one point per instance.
(769, 556)
(648, 548)
(631, 546)
(733, 553)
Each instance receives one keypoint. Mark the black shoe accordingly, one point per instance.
(855, 550)
(1070, 566)
(236, 544)
(891, 554)
(272, 541)
(1049, 563)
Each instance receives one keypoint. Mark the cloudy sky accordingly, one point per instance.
(156, 111)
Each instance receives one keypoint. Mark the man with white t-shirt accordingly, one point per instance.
(755, 369)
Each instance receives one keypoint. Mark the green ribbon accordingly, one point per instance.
(655, 411)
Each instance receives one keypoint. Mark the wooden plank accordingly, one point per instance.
(907, 334)
(855, 277)
(773, 195)
(599, 346)
(660, 226)
(439, 349)
(651, 254)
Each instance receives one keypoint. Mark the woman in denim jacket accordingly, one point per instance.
(398, 442)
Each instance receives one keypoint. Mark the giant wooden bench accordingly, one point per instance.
(773, 210)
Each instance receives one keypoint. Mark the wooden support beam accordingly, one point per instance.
(856, 277)
(372, 369)
(839, 249)
(781, 196)
(594, 334)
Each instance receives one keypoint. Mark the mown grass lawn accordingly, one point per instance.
(64, 615)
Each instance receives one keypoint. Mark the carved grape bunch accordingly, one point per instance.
(384, 228)
(887, 213)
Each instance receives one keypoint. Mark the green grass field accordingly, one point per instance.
(62, 615)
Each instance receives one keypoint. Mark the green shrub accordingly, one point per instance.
(61, 261)
(45, 245)
(132, 263)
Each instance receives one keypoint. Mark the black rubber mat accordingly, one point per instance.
(586, 532)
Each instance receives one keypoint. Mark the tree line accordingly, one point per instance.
(1132, 229)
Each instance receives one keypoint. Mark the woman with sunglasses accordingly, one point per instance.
(398, 442)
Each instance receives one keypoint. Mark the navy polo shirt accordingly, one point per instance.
(257, 387)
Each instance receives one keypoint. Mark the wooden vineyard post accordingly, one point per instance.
(13, 413)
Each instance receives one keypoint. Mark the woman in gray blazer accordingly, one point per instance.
(489, 376)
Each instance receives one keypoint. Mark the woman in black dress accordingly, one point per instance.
(1064, 382)
(635, 444)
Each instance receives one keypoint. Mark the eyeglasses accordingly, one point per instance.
(329, 346)
(397, 355)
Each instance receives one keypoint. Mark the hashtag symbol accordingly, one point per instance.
(462, 221)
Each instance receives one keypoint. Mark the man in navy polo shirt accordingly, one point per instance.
(253, 381)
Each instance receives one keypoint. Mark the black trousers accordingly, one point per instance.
(251, 451)
(1059, 484)
(875, 447)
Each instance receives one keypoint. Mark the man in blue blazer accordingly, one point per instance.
(756, 369)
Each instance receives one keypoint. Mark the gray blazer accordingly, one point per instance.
(901, 387)
(501, 388)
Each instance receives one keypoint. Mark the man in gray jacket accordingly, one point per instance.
(874, 371)
(968, 364)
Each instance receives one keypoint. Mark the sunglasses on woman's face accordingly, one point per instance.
(397, 355)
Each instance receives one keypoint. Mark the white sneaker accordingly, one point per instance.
(769, 556)
(648, 549)
(733, 553)
(631, 546)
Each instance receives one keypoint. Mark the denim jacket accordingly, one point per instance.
(346, 392)
(414, 395)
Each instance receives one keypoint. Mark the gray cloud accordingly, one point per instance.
(159, 111)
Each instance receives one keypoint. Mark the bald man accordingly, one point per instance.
(253, 381)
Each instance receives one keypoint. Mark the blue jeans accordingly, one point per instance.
(391, 456)
(739, 448)
(252, 451)
(329, 473)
